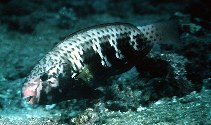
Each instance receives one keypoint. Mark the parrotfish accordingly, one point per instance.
(93, 54)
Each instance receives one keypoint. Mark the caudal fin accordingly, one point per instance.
(163, 32)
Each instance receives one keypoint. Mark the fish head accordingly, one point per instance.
(30, 90)
(39, 85)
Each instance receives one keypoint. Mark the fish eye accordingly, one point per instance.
(44, 77)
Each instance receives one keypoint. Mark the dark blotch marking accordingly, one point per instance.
(102, 31)
(135, 37)
(81, 63)
(55, 60)
(77, 39)
(141, 43)
(113, 41)
(107, 30)
(70, 44)
(96, 47)
(75, 57)
(128, 51)
(55, 54)
(68, 51)
(101, 39)
(61, 49)
(63, 57)
(110, 53)
(66, 55)
(133, 43)
(123, 45)
(44, 77)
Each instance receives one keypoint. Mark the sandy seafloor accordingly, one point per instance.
(29, 29)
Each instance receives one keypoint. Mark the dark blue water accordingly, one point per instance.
(170, 86)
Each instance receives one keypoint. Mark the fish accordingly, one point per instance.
(93, 54)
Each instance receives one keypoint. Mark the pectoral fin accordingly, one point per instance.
(85, 76)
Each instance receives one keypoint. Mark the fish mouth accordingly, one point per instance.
(30, 99)
(30, 94)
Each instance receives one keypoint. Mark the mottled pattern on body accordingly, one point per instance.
(72, 49)
(92, 51)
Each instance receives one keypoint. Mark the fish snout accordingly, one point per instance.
(30, 94)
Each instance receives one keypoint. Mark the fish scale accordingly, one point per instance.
(91, 53)
(99, 35)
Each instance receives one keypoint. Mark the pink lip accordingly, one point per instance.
(29, 94)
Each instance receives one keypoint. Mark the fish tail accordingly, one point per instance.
(163, 32)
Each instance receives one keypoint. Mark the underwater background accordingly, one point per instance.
(172, 85)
